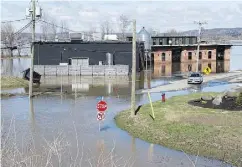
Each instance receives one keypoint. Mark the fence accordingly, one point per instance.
(91, 70)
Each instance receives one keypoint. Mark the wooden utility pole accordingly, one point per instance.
(199, 40)
(32, 50)
(133, 105)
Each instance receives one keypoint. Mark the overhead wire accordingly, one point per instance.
(10, 21)
(68, 29)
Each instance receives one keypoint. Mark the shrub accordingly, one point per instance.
(239, 99)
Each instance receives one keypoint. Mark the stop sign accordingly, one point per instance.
(102, 106)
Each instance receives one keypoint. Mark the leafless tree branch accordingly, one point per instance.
(124, 23)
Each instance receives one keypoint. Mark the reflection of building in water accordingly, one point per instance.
(162, 69)
(168, 69)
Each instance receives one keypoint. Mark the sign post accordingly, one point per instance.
(101, 107)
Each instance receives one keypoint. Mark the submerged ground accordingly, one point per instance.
(200, 131)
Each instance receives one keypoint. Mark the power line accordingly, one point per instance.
(10, 21)
(56, 25)
(67, 28)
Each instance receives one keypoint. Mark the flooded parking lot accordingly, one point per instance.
(67, 122)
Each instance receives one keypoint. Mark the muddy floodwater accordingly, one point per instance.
(69, 120)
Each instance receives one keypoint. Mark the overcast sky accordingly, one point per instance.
(159, 15)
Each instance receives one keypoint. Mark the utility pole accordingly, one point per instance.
(198, 40)
(133, 105)
(32, 50)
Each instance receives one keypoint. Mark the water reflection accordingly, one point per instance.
(150, 152)
(14, 67)
(172, 68)
(32, 114)
(133, 145)
(100, 145)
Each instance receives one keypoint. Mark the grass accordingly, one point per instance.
(198, 131)
(13, 82)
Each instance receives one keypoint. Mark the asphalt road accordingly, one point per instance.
(231, 77)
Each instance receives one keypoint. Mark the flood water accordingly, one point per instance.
(74, 116)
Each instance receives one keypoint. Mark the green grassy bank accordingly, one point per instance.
(194, 130)
(13, 82)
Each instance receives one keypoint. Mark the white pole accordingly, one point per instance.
(32, 49)
(133, 105)
(75, 86)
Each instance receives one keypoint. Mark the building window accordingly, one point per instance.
(154, 41)
(200, 55)
(163, 57)
(189, 55)
(209, 65)
(177, 41)
(189, 67)
(160, 42)
(163, 69)
(209, 54)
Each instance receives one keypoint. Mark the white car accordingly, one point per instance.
(195, 77)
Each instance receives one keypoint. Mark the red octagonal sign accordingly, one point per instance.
(102, 106)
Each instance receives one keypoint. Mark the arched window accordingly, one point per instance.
(209, 54)
(189, 67)
(163, 57)
(200, 55)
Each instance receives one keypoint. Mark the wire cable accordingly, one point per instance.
(10, 21)
(68, 29)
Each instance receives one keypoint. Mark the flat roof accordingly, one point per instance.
(168, 36)
(193, 45)
(85, 42)
(174, 36)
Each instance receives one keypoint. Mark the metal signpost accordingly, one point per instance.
(101, 107)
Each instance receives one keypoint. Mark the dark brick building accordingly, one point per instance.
(53, 53)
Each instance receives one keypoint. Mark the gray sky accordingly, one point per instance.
(159, 15)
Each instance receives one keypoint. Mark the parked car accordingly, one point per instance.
(195, 77)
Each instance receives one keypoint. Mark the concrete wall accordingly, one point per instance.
(227, 54)
(95, 70)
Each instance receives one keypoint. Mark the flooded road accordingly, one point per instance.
(69, 121)
(45, 117)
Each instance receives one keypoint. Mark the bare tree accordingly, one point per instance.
(90, 34)
(53, 28)
(20, 43)
(7, 37)
(63, 30)
(49, 28)
(172, 32)
(106, 28)
(124, 23)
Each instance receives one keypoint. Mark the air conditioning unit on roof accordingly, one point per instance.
(110, 37)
